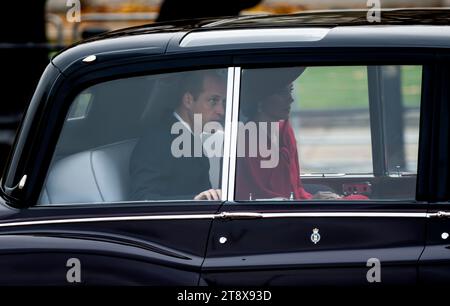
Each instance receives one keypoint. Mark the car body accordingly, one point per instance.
(401, 228)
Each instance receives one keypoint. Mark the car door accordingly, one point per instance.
(73, 219)
(104, 245)
(374, 234)
(435, 260)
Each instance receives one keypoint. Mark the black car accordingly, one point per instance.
(98, 189)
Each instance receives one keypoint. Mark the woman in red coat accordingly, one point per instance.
(266, 99)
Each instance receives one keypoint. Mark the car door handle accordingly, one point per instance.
(439, 214)
(238, 215)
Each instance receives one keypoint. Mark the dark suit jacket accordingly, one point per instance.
(157, 175)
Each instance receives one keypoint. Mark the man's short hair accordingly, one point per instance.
(193, 81)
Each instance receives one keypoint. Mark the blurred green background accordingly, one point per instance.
(321, 88)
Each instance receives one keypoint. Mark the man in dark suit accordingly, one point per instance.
(157, 171)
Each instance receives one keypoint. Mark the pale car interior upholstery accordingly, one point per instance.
(97, 175)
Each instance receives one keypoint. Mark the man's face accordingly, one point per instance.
(210, 103)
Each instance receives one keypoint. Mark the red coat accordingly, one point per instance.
(275, 182)
(280, 181)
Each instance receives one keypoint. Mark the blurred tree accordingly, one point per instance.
(182, 9)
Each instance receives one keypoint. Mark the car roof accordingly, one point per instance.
(422, 27)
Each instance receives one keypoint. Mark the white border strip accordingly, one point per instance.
(227, 215)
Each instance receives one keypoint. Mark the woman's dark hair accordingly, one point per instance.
(259, 84)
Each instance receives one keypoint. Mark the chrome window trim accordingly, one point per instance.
(109, 219)
(253, 36)
(234, 133)
(223, 215)
(227, 133)
(346, 214)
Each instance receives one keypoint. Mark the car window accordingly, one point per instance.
(328, 133)
(403, 83)
(80, 106)
(146, 138)
(322, 116)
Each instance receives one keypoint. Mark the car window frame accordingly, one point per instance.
(326, 58)
(376, 125)
(33, 160)
(52, 113)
